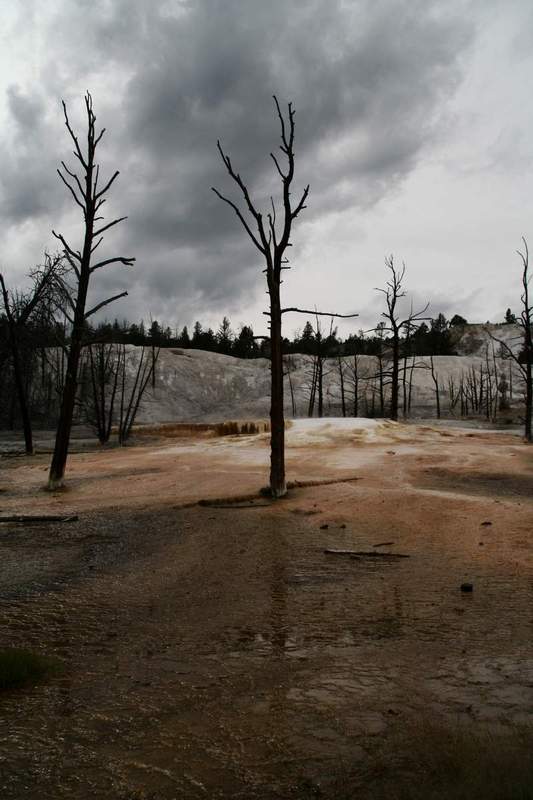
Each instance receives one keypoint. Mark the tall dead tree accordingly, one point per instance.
(272, 241)
(524, 359)
(396, 326)
(88, 195)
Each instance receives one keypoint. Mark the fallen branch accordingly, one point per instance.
(226, 502)
(323, 482)
(39, 520)
(251, 504)
(363, 553)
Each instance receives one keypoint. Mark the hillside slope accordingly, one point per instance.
(196, 386)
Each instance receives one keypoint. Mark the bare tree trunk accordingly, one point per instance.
(355, 387)
(277, 420)
(341, 381)
(395, 385)
(64, 425)
(410, 397)
(291, 389)
(320, 386)
(312, 390)
(381, 386)
(436, 384)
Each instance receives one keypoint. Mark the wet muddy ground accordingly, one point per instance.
(220, 652)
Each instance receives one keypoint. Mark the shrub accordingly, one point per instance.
(19, 666)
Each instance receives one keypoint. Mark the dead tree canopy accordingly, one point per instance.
(89, 193)
(271, 235)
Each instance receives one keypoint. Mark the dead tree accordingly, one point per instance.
(524, 360)
(272, 242)
(435, 379)
(396, 326)
(341, 366)
(318, 369)
(289, 368)
(129, 403)
(89, 197)
(105, 366)
(353, 378)
(19, 311)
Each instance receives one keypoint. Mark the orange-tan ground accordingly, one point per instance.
(220, 653)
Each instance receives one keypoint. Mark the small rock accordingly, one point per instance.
(324, 526)
(484, 524)
(481, 544)
(467, 587)
(343, 525)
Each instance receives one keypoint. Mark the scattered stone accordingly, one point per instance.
(324, 526)
(467, 587)
(486, 523)
(343, 525)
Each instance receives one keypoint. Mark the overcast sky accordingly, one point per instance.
(413, 128)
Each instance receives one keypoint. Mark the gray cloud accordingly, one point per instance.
(369, 80)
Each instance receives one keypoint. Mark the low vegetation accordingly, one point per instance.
(19, 666)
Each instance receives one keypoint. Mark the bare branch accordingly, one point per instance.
(67, 247)
(108, 184)
(301, 205)
(109, 225)
(276, 162)
(73, 136)
(72, 191)
(104, 303)
(128, 262)
(242, 219)
(319, 313)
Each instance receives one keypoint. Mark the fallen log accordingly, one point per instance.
(363, 553)
(232, 505)
(39, 519)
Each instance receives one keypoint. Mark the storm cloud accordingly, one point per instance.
(371, 81)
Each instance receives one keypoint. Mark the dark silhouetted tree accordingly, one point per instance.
(524, 359)
(89, 197)
(272, 241)
(20, 309)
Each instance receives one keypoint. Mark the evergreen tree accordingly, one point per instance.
(184, 340)
(510, 318)
(225, 337)
(457, 319)
(245, 346)
(197, 335)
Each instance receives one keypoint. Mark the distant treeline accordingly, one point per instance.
(432, 337)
